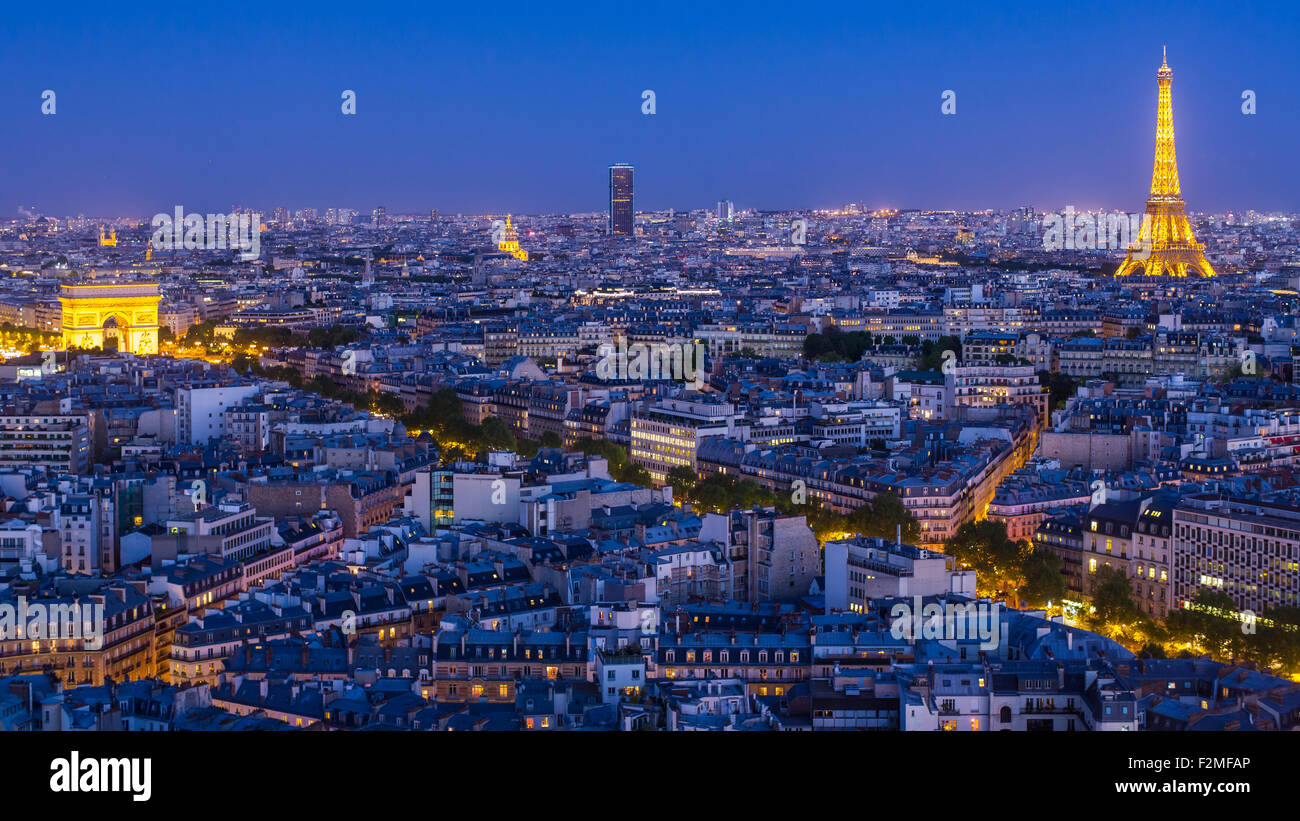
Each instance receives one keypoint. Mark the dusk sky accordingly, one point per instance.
(474, 108)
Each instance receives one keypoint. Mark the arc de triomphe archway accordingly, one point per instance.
(130, 309)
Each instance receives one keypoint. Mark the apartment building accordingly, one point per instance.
(1247, 549)
(864, 568)
(49, 435)
(667, 434)
(982, 386)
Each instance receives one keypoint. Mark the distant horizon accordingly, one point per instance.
(363, 214)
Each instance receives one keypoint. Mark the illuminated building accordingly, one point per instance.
(510, 242)
(765, 664)
(621, 209)
(48, 434)
(668, 434)
(109, 241)
(985, 386)
(864, 568)
(488, 665)
(1165, 243)
(126, 313)
(1247, 549)
(1131, 537)
(120, 646)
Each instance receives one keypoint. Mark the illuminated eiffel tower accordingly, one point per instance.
(1165, 243)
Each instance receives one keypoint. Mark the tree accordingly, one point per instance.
(388, 404)
(826, 524)
(201, 332)
(1153, 651)
(551, 439)
(494, 435)
(1060, 387)
(997, 561)
(321, 384)
(1112, 599)
(634, 474)
(720, 493)
(683, 480)
(932, 353)
(882, 517)
(1043, 582)
(441, 414)
(332, 337)
(1278, 644)
(834, 345)
(527, 448)
(1209, 624)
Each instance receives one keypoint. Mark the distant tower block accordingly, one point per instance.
(622, 204)
(1165, 230)
(126, 313)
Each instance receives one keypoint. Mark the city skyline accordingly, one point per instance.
(397, 369)
(802, 120)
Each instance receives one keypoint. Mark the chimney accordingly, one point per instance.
(268, 654)
(306, 654)
(248, 654)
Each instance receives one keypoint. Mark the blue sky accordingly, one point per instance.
(521, 107)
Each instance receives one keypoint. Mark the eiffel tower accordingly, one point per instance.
(1165, 243)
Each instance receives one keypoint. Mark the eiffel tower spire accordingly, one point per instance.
(1165, 243)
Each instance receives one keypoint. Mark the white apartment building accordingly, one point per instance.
(667, 434)
(1248, 549)
(855, 423)
(202, 411)
(861, 569)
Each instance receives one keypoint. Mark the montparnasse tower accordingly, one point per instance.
(1165, 243)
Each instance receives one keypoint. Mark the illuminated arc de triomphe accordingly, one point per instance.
(127, 312)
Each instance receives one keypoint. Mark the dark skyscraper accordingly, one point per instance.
(620, 199)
